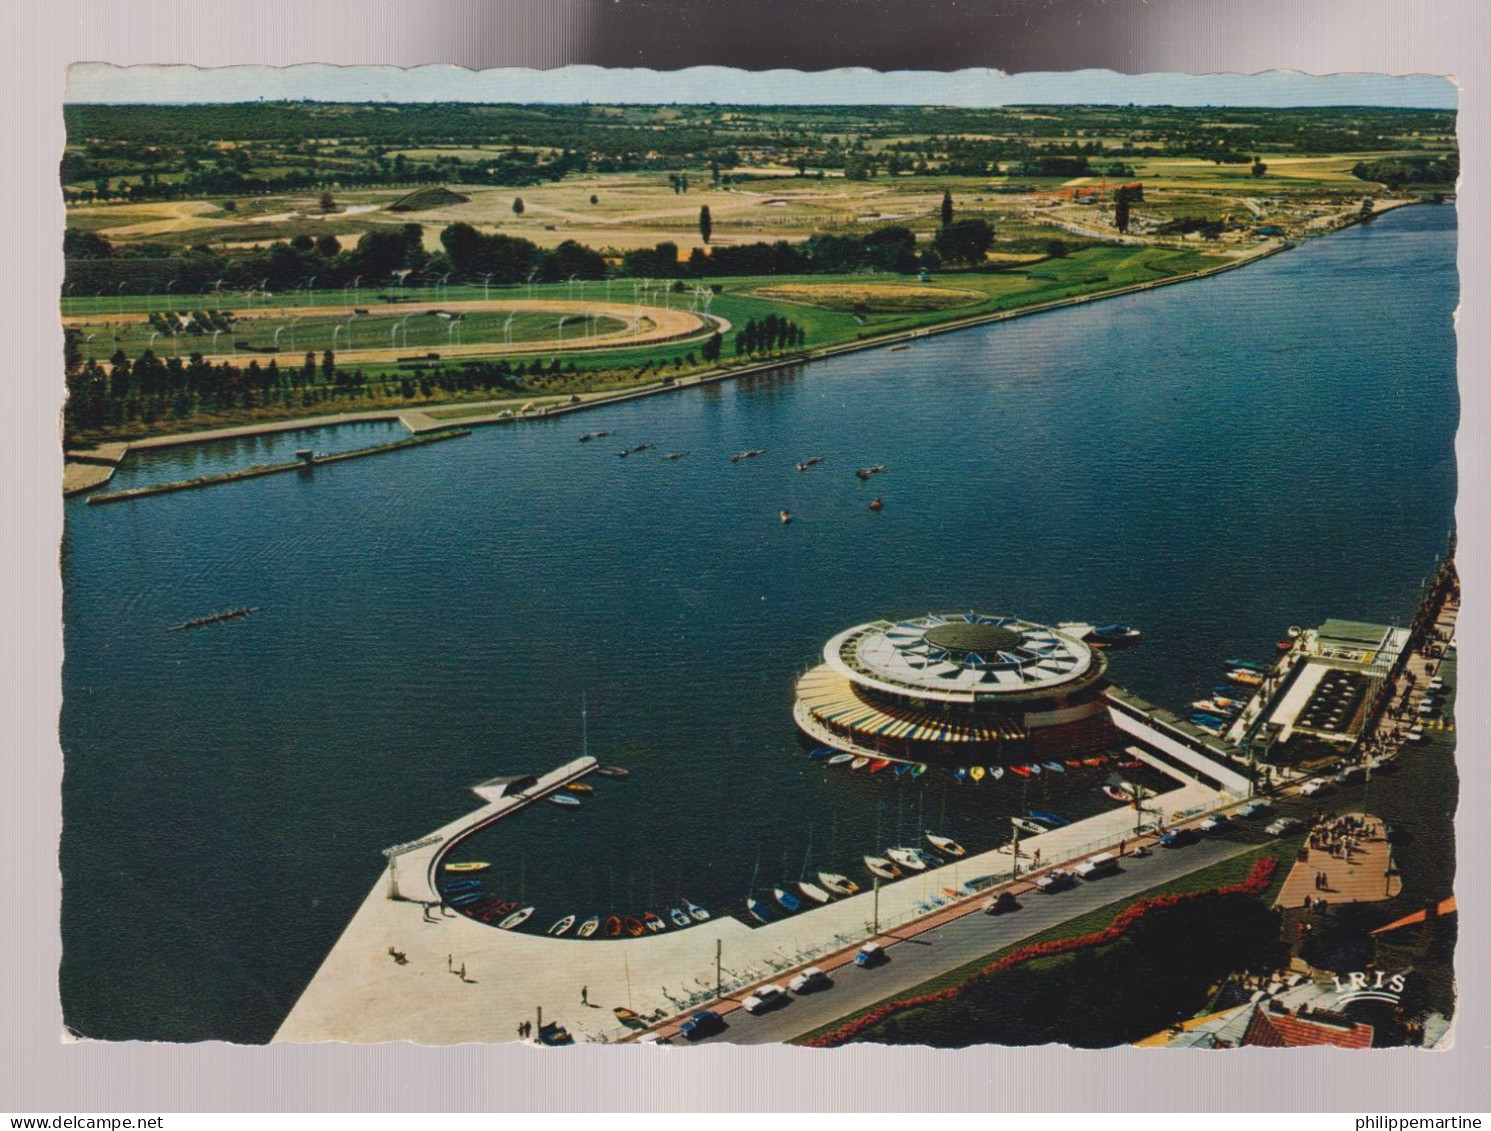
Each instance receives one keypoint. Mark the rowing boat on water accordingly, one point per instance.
(976, 773)
(561, 926)
(1056, 767)
(882, 867)
(613, 772)
(516, 919)
(1023, 771)
(588, 927)
(961, 773)
(613, 927)
(468, 866)
(697, 913)
(653, 923)
(859, 763)
(878, 765)
(633, 927)
(918, 770)
(840, 759)
(564, 800)
(680, 918)
(996, 772)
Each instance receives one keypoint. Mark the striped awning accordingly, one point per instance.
(830, 698)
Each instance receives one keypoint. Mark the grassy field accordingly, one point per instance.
(1224, 874)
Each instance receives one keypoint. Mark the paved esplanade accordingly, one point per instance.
(361, 994)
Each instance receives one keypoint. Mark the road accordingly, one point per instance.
(915, 960)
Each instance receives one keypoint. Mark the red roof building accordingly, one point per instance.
(1275, 1027)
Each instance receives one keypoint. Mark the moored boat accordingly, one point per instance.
(960, 774)
(1115, 634)
(1247, 665)
(1028, 826)
(839, 885)
(976, 773)
(812, 891)
(613, 772)
(1246, 678)
(579, 787)
(902, 769)
(1055, 767)
(1074, 763)
(696, 913)
(918, 770)
(633, 927)
(758, 911)
(564, 800)
(1049, 818)
(878, 765)
(859, 763)
(882, 867)
(840, 759)
(653, 923)
(468, 866)
(996, 772)
(786, 899)
(819, 753)
(562, 926)
(680, 918)
(1095, 760)
(1035, 767)
(589, 927)
(1023, 771)
(907, 858)
(613, 927)
(945, 844)
(516, 919)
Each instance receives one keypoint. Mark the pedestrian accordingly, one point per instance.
(584, 995)
(448, 964)
(520, 1030)
(462, 974)
(1120, 846)
(1325, 882)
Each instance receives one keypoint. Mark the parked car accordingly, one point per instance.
(1213, 823)
(1253, 809)
(809, 980)
(764, 998)
(1096, 867)
(999, 904)
(871, 954)
(702, 1024)
(1282, 826)
(1055, 880)
(1318, 787)
(1179, 838)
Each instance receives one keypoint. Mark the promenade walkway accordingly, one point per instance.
(1362, 876)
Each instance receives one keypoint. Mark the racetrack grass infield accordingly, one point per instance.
(1219, 875)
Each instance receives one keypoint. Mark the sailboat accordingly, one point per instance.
(945, 844)
(758, 910)
(882, 867)
(809, 889)
(697, 913)
(907, 858)
(839, 885)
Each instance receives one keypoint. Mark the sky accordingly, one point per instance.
(102, 82)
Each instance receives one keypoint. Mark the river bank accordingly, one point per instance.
(82, 473)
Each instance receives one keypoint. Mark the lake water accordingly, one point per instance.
(1211, 462)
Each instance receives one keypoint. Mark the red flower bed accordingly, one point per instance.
(1256, 884)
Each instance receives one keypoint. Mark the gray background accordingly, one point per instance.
(42, 1074)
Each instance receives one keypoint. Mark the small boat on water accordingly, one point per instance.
(1246, 678)
(882, 867)
(589, 927)
(1035, 767)
(1028, 826)
(1095, 760)
(613, 927)
(680, 918)
(945, 844)
(653, 923)
(840, 759)
(562, 926)
(859, 763)
(1202, 719)
(468, 866)
(613, 772)
(1118, 635)
(1285, 645)
(878, 765)
(839, 885)
(1055, 767)
(976, 773)
(563, 799)
(1214, 731)
(696, 913)
(785, 516)
(1074, 763)
(633, 927)
(812, 891)
(1048, 818)
(820, 753)
(918, 770)
(876, 504)
(1246, 665)
(996, 772)
(516, 919)
(579, 787)
(786, 899)
(1116, 794)
(902, 769)
(961, 774)
(1023, 771)
(1211, 707)
(907, 858)
(758, 911)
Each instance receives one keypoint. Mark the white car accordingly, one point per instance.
(1282, 826)
(1253, 809)
(766, 997)
(809, 980)
(1315, 788)
(1213, 823)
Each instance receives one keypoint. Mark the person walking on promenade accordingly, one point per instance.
(584, 995)
(520, 1030)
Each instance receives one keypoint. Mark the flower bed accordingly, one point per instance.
(1257, 883)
